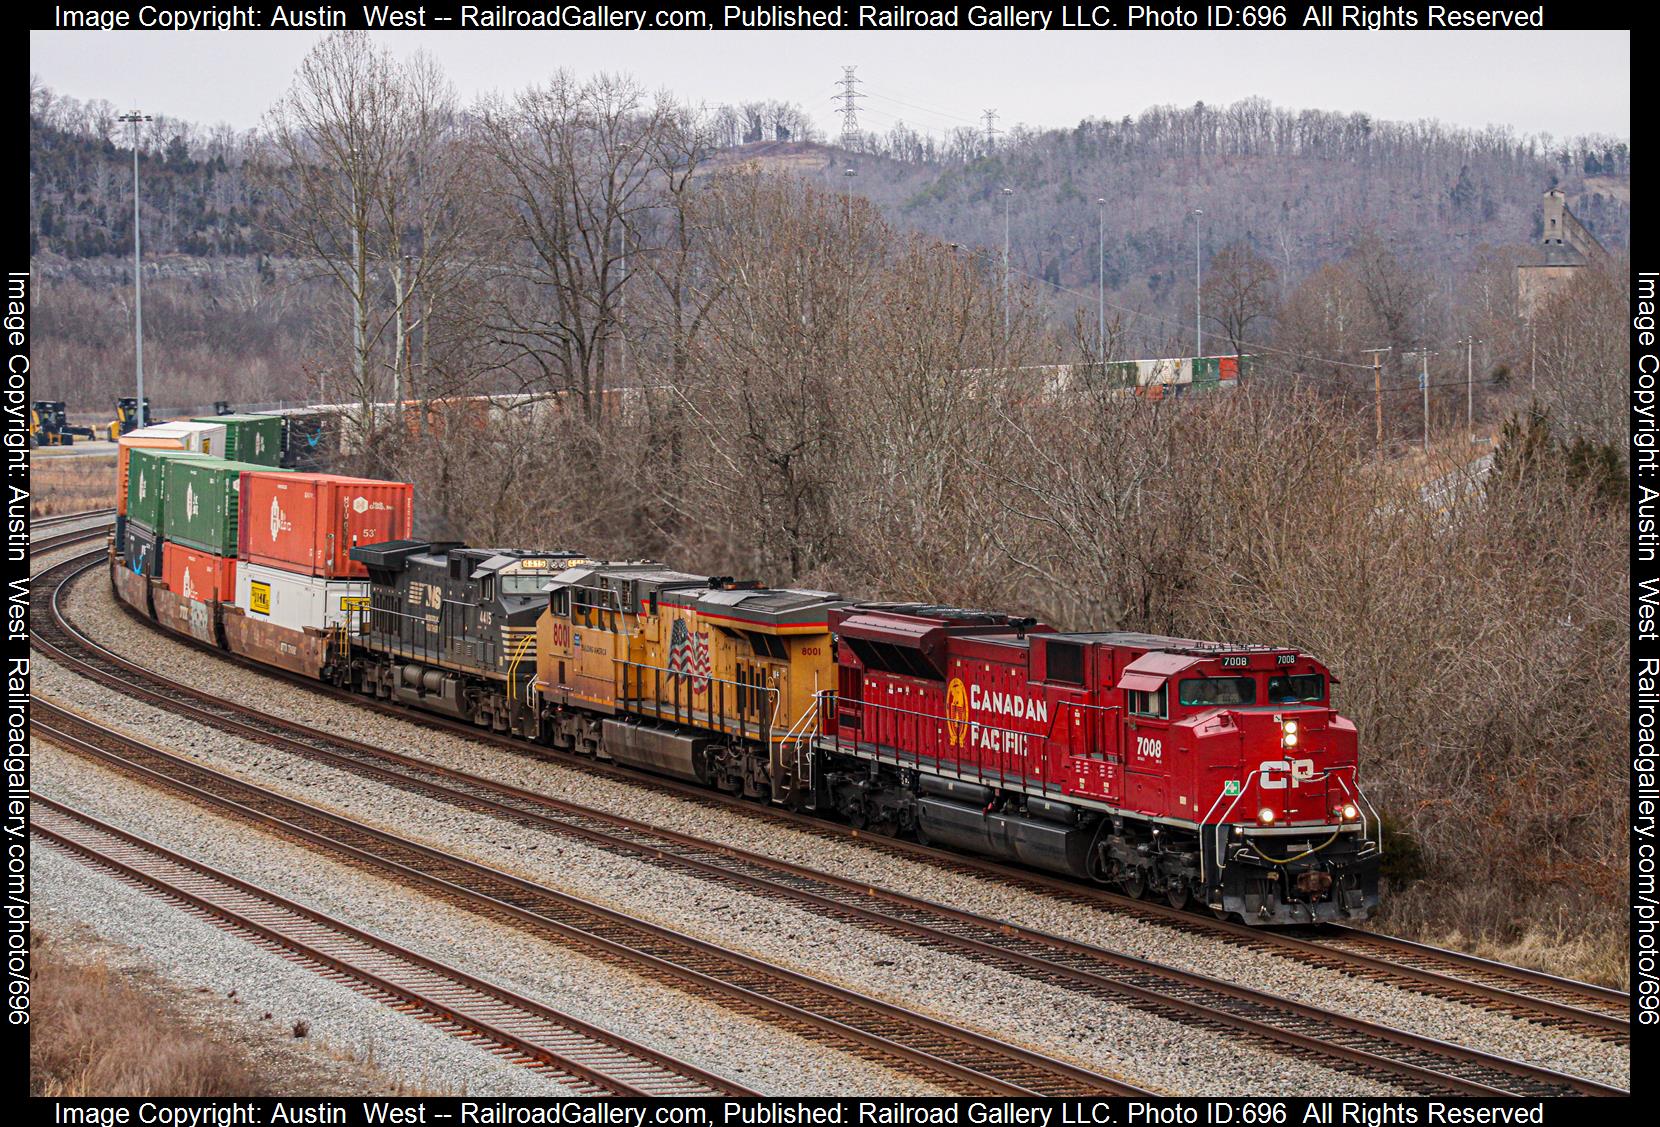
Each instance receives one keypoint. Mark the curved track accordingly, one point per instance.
(583, 1058)
(1360, 1046)
(1518, 991)
(946, 1055)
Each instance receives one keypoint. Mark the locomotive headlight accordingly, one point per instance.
(1289, 740)
(1265, 816)
(1290, 727)
(1350, 811)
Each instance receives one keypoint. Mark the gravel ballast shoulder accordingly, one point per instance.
(92, 607)
(754, 1053)
(193, 955)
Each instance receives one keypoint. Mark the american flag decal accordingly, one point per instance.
(689, 656)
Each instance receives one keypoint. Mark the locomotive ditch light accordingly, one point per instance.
(1265, 816)
(1350, 812)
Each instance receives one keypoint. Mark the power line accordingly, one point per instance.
(850, 107)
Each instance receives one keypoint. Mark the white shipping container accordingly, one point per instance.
(294, 601)
(198, 438)
(205, 438)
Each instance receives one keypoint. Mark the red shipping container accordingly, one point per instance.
(1229, 367)
(198, 575)
(310, 522)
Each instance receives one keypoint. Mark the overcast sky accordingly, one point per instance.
(1563, 83)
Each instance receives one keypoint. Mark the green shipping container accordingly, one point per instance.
(146, 484)
(1206, 369)
(200, 502)
(250, 438)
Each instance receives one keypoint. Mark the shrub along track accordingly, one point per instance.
(1337, 1040)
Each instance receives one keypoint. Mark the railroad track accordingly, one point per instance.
(1347, 1042)
(582, 1058)
(943, 1054)
(1577, 1007)
(69, 518)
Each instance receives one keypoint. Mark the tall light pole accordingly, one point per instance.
(1007, 192)
(134, 118)
(847, 196)
(847, 180)
(1101, 279)
(1198, 288)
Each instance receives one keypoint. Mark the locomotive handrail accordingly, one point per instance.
(1223, 826)
(743, 727)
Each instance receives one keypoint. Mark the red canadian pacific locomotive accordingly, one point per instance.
(1195, 770)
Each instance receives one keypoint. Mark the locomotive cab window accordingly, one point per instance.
(1297, 688)
(559, 603)
(1211, 692)
(1155, 705)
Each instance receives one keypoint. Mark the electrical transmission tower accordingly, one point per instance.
(850, 108)
(992, 131)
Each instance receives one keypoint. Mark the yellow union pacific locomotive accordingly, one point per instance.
(707, 679)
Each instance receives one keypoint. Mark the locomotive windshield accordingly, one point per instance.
(1210, 691)
(1296, 688)
(523, 584)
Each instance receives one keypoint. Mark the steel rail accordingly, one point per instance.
(1035, 954)
(944, 1051)
(592, 1061)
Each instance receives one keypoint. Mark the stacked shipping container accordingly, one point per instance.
(251, 438)
(295, 570)
(200, 508)
(198, 438)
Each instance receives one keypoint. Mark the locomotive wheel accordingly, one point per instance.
(1134, 886)
(1177, 895)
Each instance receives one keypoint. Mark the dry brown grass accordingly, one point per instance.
(93, 1034)
(60, 484)
(1560, 944)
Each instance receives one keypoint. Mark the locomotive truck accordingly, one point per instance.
(1211, 774)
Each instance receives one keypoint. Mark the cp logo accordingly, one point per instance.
(1274, 771)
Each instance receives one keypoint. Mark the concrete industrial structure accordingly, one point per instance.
(1566, 247)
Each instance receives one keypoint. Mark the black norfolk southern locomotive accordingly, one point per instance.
(453, 629)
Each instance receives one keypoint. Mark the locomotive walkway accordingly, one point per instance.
(1419, 1063)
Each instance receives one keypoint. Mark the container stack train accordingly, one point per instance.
(1213, 775)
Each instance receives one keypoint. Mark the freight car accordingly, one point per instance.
(1211, 774)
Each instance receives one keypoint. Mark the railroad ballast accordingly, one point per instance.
(1209, 774)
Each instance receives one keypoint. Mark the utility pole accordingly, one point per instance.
(1377, 387)
(1532, 359)
(1198, 287)
(1423, 384)
(138, 273)
(1007, 192)
(1470, 387)
(1101, 282)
